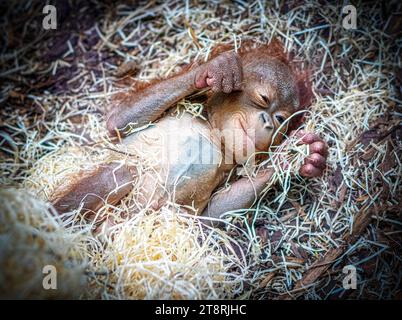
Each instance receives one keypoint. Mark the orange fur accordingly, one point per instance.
(274, 49)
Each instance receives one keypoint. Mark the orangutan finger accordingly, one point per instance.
(227, 83)
(214, 79)
(309, 138)
(317, 160)
(318, 147)
(201, 80)
(310, 171)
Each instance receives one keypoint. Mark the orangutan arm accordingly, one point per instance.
(150, 103)
(222, 73)
(242, 195)
(244, 192)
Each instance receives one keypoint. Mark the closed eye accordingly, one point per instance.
(265, 99)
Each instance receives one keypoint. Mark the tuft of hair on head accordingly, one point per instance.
(273, 49)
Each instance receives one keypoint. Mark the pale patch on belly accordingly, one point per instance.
(186, 160)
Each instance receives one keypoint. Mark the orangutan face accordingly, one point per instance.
(253, 119)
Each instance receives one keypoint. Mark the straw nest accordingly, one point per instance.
(31, 239)
(297, 237)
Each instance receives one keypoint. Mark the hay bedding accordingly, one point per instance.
(295, 241)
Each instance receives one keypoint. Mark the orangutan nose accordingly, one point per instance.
(266, 120)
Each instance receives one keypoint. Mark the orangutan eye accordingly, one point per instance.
(265, 99)
(280, 119)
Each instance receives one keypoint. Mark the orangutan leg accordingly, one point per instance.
(106, 184)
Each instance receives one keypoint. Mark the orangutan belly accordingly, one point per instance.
(181, 163)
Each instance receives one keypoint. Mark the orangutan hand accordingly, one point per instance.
(223, 73)
(315, 162)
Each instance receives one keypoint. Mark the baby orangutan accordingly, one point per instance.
(252, 93)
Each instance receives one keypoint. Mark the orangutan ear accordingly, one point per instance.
(304, 89)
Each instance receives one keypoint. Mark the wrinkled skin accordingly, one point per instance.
(251, 97)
